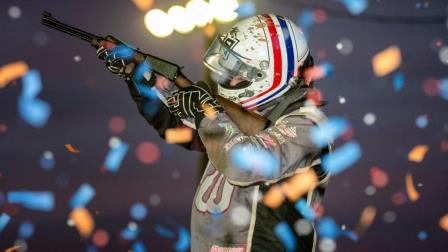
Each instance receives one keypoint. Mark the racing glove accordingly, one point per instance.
(194, 102)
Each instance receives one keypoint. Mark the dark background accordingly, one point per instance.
(84, 97)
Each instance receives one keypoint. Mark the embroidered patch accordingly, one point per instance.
(226, 249)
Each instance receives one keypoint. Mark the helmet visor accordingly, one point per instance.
(230, 69)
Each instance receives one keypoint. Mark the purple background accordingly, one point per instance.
(84, 97)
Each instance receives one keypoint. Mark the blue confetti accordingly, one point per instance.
(421, 121)
(129, 233)
(138, 211)
(164, 232)
(183, 242)
(246, 9)
(251, 159)
(32, 85)
(286, 236)
(91, 248)
(422, 235)
(115, 157)
(342, 158)
(82, 196)
(42, 201)
(31, 109)
(142, 71)
(26, 230)
(328, 228)
(306, 19)
(398, 81)
(328, 131)
(305, 210)
(47, 161)
(328, 68)
(139, 247)
(355, 7)
(4, 219)
(444, 89)
(121, 51)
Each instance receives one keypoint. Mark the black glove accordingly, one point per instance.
(195, 102)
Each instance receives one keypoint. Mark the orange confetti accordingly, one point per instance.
(14, 248)
(12, 71)
(179, 135)
(210, 30)
(72, 149)
(274, 197)
(386, 61)
(209, 111)
(413, 195)
(418, 153)
(366, 219)
(294, 188)
(143, 5)
(443, 223)
(83, 221)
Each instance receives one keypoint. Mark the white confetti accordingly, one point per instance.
(369, 119)
(14, 12)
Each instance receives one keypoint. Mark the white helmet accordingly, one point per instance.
(254, 62)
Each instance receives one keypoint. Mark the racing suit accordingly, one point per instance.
(224, 187)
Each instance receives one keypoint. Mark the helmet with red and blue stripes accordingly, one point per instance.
(254, 61)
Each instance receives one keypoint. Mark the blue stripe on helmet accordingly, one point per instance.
(289, 46)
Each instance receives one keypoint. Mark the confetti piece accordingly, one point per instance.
(82, 196)
(398, 81)
(183, 242)
(71, 149)
(41, 201)
(246, 9)
(138, 211)
(299, 184)
(164, 232)
(143, 5)
(14, 248)
(274, 197)
(304, 209)
(306, 19)
(286, 236)
(418, 153)
(209, 111)
(328, 131)
(47, 161)
(328, 228)
(148, 153)
(355, 7)
(117, 124)
(386, 61)
(251, 159)
(422, 235)
(26, 230)
(318, 72)
(327, 245)
(83, 221)
(431, 87)
(342, 157)
(444, 89)
(11, 72)
(366, 219)
(422, 121)
(413, 195)
(138, 247)
(33, 110)
(344, 46)
(179, 135)
(443, 223)
(100, 238)
(379, 178)
(115, 156)
(130, 232)
(4, 219)
(398, 198)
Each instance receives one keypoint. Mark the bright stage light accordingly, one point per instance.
(159, 23)
(224, 10)
(200, 12)
(181, 18)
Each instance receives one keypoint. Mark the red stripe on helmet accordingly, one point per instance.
(277, 58)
